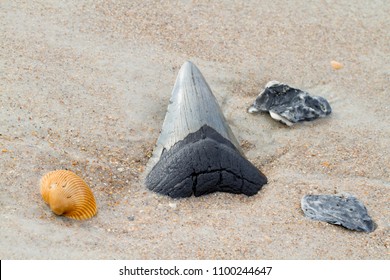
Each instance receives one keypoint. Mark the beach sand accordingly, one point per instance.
(85, 86)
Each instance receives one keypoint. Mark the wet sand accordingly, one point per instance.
(85, 87)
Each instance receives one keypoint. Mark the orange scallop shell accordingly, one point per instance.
(67, 194)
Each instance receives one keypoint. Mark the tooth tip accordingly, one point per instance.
(186, 68)
(188, 63)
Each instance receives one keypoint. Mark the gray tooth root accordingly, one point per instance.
(191, 106)
(344, 210)
(196, 152)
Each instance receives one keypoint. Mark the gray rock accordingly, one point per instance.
(196, 152)
(290, 105)
(344, 210)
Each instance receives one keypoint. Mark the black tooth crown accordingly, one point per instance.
(202, 163)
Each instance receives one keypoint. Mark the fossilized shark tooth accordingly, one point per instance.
(196, 152)
(289, 105)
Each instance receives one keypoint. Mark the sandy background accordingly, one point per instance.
(85, 85)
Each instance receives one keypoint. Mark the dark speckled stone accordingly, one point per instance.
(344, 210)
(290, 105)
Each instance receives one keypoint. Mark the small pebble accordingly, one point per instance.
(172, 205)
(336, 65)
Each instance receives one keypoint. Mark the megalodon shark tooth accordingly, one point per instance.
(196, 152)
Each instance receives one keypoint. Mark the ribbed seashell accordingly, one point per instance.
(67, 194)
